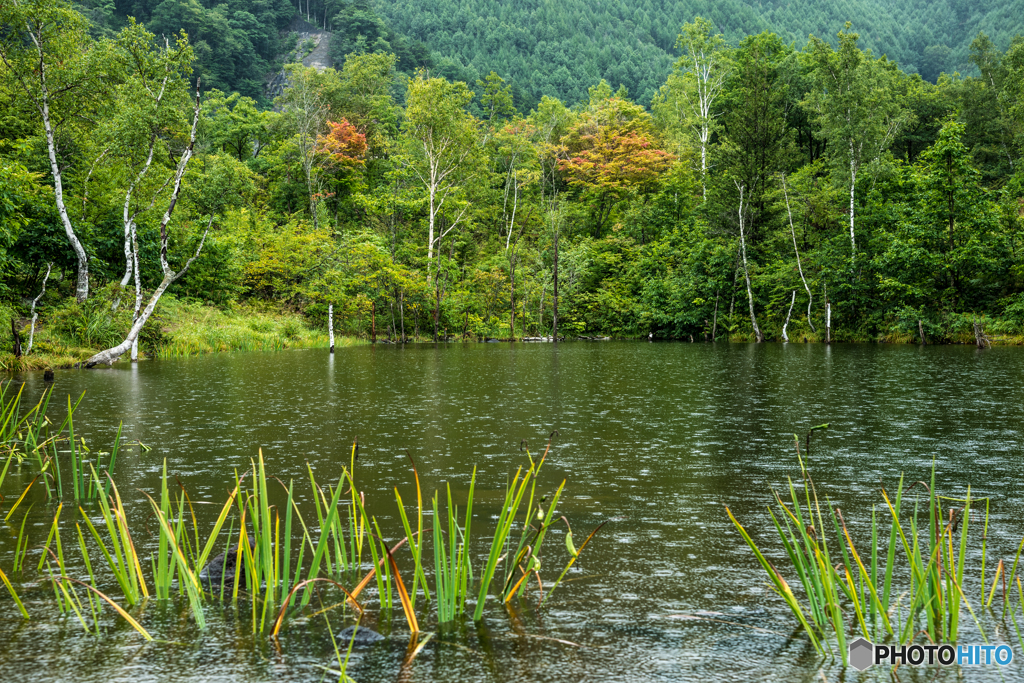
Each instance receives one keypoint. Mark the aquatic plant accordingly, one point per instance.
(31, 436)
(269, 556)
(881, 598)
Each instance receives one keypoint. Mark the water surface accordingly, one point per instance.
(657, 438)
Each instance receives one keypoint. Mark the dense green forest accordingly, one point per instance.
(765, 190)
(543, 48)
(562, 48)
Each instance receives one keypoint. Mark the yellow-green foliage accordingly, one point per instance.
(70, 332)
(192, 329)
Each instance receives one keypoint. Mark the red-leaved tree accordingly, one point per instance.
(342, 150)
(613, 151)
(344, 145)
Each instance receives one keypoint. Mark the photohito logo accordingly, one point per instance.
(864, 654)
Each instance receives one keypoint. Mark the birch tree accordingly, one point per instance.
(440, 138)
(687, 100)
(151, 99)
(513, 153)
(746, 270)
(47, 53)
(108, 356)
(855, 104)
(551, 121)
(306, 102)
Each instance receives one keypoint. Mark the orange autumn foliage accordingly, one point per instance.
(608, 151)
(344, 144)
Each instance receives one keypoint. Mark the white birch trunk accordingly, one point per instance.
(796, 249)
(853, 182)
(785, 337)
(330, 324)
(515, 204)
(35, 316)
(430, 230)
(705, 135)
(746, 272)
(82, 286)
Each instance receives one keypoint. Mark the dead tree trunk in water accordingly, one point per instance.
(138, 289)
(920, 331)
(554, 300)
(330, 324)
(373, 322)
(980, 338)
(828, 322)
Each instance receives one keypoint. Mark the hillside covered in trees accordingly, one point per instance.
(764, 189)
(558, 49)
(561, 48)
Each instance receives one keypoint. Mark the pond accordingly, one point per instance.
(655, 438)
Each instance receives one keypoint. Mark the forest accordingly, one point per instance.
(759, 189)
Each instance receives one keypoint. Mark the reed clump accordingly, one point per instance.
(61, 460)
(909, 585)
(283, 563)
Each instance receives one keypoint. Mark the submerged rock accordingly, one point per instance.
(223, 567)
(364, 635)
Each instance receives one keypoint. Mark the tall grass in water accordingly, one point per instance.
(845, 592)
(280, 561)
(31, 436)
(453, 570)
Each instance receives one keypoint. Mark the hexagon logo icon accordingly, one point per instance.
(861, 652)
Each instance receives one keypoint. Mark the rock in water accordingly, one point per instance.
(222, 568)
(364, 635)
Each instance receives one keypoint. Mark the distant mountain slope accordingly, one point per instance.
(560, 47)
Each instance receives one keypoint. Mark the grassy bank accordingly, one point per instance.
(70, 332)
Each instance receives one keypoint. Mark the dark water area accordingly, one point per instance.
(656, 438)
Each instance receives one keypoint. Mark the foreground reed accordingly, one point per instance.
(32, 436)
(270, 555)
(910, 585)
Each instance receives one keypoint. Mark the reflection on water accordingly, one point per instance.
(656, 437)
